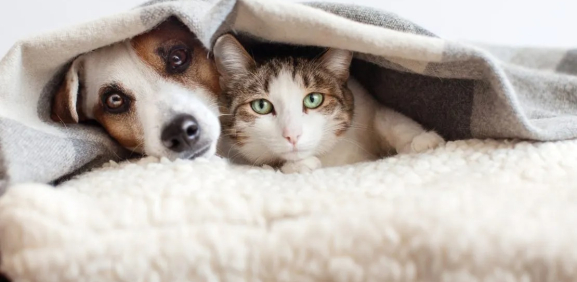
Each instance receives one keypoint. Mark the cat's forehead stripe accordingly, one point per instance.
(306, 80)
(303, 75)
(294, 67)
(274, 69)
(253, 86)
(266, 85)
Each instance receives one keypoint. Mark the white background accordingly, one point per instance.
(512, 22)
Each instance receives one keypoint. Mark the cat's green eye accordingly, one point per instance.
(261, 106)
(313, 100)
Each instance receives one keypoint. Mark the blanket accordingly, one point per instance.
(470, 211)
(460, 90)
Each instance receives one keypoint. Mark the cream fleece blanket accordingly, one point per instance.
(470, 211)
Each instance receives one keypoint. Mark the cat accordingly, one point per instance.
(303, 113)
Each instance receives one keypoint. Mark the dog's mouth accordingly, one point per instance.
(199, 152)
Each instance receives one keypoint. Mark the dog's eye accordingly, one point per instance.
(178, 60)
(115, 102)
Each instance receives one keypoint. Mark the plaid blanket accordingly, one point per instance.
(461, 90)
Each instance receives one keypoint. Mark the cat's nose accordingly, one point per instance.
(293, 139)
(292, 136)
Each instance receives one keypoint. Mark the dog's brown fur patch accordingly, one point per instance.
(201, 72)
(61, 105)
(124, 127)
(63, 110)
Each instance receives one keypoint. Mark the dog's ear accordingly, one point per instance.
(231, 58)
(338, 62)
(64, 102)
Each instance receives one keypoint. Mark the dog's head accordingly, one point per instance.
(155, 94)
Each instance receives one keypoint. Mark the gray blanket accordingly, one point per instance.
(461, 90)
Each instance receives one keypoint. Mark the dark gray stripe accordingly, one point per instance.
(569, 63)
(372, 16)
(4, 177)
(444, 105)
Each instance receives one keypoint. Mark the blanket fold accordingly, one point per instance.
(461, 90)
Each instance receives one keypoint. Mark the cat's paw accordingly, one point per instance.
(267, 167)
(304, 165)
(422, 143)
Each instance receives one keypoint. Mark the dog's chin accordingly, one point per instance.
(205, 151)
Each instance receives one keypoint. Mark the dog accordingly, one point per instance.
(156, 94)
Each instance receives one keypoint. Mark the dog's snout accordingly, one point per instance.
(181, 134)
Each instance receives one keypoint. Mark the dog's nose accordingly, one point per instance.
(181, 133)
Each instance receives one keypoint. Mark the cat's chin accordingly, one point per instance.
(296, 155)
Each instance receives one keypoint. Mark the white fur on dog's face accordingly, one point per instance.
(160, 82)
(156, 99)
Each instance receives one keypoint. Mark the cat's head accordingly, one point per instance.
(283, 109)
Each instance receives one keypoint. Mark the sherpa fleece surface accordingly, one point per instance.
(471, 211)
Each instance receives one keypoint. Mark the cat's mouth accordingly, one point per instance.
(296, 155)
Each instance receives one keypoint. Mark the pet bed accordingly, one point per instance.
(470, 211)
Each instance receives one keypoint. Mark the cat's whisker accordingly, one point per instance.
(235, 155)
(356, 144)
(136, 148)
(369, 129)
(283, 80)
(256, 160)
(228, 153)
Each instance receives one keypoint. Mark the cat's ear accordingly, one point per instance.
(230, 57)
(338, 62)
